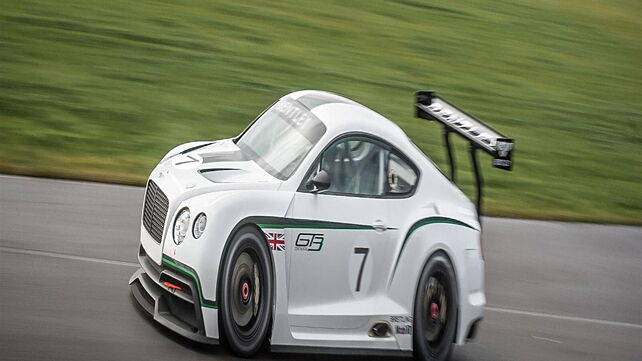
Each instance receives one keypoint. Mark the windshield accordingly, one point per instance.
(280, 139)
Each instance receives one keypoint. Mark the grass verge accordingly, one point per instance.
(101, 90)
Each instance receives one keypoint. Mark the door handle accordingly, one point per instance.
(379, 226)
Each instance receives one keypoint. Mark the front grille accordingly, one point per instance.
(155, 211)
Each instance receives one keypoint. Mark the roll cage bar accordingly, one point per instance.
(479, 136)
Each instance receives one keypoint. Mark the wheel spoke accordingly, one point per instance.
(257, 289)
(242, 291)
(435, 308)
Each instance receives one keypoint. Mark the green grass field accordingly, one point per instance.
(100, 90)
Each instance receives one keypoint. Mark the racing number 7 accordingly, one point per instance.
(364, 252)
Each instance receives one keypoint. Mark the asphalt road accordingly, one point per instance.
(556, 291)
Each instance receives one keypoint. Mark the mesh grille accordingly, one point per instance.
(155, 211)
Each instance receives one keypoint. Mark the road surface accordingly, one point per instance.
(556, 291)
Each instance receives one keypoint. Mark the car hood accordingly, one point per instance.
(210, 167)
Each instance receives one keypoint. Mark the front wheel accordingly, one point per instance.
(435, 316)
(246, 293)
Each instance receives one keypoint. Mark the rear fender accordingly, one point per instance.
(453, 239)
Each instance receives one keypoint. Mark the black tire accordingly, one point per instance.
(246, 292)
(434, 328)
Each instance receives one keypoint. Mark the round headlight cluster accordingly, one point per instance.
(181, 226)
(199, 225)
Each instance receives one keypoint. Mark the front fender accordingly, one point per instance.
(224, 211)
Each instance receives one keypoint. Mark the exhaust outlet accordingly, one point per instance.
(380, 329)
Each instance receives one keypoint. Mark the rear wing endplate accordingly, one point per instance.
(479, 135)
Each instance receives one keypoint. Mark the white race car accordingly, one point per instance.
(320, 228)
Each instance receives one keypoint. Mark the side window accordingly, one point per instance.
(401, 176)
(356, 166)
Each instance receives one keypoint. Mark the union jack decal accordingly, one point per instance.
(276, 240)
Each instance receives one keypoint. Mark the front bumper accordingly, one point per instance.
(178, 310)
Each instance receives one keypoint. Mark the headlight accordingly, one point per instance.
(181, 225)
(199, 225)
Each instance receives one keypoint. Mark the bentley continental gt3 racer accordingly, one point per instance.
(320, 228)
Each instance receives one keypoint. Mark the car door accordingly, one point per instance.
(342, 247)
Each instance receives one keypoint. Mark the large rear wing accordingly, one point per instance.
(479, 135)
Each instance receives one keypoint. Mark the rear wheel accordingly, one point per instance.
(246, 292)
(435, 313)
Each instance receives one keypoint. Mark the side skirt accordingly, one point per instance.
(339, 351)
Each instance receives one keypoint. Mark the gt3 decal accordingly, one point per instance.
(309, 242)
(276, 240)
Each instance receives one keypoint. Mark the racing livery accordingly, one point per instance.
(320, 228)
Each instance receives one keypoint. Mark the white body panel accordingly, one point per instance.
(316, 300)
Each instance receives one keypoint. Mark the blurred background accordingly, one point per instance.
(101, 90)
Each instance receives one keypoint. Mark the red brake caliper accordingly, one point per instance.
(434, 310)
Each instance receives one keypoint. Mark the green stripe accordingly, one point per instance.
(173, 264)
(312, 226)
(424, 222)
